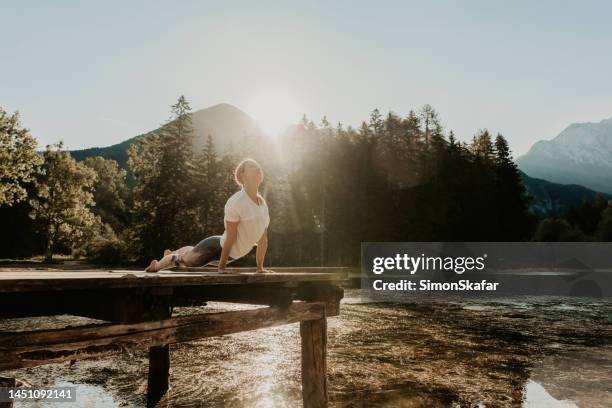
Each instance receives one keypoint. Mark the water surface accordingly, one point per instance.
(531, 352)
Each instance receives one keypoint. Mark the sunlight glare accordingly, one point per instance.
(274, 108)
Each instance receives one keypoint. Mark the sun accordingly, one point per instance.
(274, 108)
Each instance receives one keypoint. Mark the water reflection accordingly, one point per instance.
(537, 397)
(573, 376)
(495, 352)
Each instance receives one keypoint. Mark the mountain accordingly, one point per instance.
(229, 126)
(581, 154)
(554, 198)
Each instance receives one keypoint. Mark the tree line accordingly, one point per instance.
(55, 204)
(329, 188)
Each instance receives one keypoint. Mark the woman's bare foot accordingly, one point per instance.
(167, 252)
(152, 266)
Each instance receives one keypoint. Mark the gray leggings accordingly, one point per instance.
(207, 250)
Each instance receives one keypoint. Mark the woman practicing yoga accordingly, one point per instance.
(246, 224)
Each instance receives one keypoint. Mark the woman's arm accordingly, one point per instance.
(262, 246)
(231, 229)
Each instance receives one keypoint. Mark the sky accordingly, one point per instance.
(96, 73)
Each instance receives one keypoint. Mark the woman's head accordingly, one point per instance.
(248, 173)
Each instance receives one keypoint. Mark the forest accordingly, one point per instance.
(328, 187)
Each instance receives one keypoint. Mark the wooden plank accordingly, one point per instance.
(314, 363)
(338, 270)
(112, 274)
(27, 349)
(94, 271)
(27, 281)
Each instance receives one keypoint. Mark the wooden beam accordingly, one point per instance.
(314, 363)
(321, 292)
(27, 349)
(142, 304)
(117, 306)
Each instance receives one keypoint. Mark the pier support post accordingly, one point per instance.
(159, 365)
(10, 383)
(159, 372)
(314, 362)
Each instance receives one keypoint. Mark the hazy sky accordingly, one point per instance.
(95, 73)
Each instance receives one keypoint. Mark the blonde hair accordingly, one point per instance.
(240, 169)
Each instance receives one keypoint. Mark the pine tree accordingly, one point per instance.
(452, 143)
(364, 132)
(512, 201)
(604, 228)
(208, 192)
(412, 126)
(430, 122)
(163, 168)
(376, 122)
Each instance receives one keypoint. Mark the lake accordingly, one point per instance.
(512, 352)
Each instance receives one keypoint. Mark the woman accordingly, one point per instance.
(246, 224)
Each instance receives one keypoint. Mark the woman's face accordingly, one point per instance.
(253, 175)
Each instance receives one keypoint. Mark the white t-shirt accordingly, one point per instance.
(253, 220)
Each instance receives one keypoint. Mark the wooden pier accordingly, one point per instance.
(138, 308)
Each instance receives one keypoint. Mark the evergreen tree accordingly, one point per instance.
(555, 229)
(412, 128)
(604, 228)
(163, 168)
(511, 199)
(376, 122)
(588, 216)
(430, 122)
(208, 191)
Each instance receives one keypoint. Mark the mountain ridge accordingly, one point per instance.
(580, 154)
(226, 123)
(549, 197)
(555, 198)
